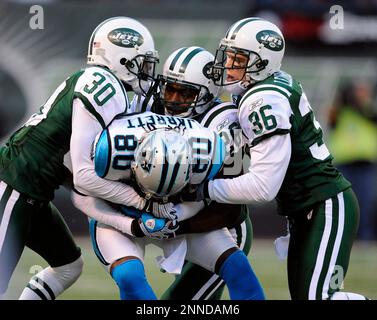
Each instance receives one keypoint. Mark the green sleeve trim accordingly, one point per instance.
(268, 135)
(217, 112)
(90, 108)
(248, 94)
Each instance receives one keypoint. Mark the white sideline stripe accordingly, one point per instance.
(36, 284)
(338, 239)
(321, 251)
(6, 217)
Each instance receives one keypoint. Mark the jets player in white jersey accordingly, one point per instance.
(289, 160)
(162, 154)
(37, 158)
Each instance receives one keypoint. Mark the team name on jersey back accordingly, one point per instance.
(115, 147)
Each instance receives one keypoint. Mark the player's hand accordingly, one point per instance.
(160, 210)
(157, 228)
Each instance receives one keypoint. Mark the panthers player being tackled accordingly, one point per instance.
(187, 90)
(37, 158)
(161, 154)
(289, 160)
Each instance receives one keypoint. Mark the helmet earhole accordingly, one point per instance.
(130, 64)
(123, 61)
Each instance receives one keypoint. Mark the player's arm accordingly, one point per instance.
(267, 127)
(187, 210)
(100, 211)
(270, 160)
(213, 217)
(84, 130)
(139, 226)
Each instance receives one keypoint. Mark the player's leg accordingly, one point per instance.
(15, 216)
(50, 237)
(320, 248)
(217, 251)
(123, 257)
(207, 285)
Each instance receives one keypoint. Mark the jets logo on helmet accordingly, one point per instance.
(253, 45)
(125, 37)
(270, 39)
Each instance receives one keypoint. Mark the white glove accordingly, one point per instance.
(160, 210)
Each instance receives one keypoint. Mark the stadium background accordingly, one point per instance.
(34, 62)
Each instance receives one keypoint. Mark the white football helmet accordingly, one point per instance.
(162, 165)
(187, 72)
(260, 41)
(126, 47)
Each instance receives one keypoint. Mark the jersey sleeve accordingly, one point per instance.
(100, 211)
(86, 181)
(223, 119)
(102, 94)
(264, 114)
(270, 159)
(208, 154)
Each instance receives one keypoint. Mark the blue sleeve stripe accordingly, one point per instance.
(102, 157)
(218, 159)
(93, 236)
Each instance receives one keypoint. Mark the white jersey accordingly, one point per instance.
(99, 97)
(223, 119)
(115, 146)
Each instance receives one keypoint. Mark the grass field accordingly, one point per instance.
(95, 283)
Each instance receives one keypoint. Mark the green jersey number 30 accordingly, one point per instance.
(102, 92)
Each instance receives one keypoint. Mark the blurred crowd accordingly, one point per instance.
(353, 143)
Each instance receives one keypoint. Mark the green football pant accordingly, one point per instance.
(320, 247)
(197, 283)
(37, 225)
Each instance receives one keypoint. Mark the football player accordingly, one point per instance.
(290, 161)
(162, 154)
(185, 89)
(35, 160)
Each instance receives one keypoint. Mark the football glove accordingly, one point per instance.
(160, 210)
(157, 228)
